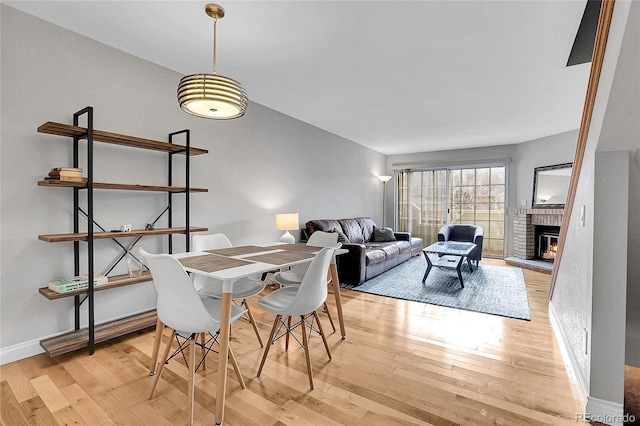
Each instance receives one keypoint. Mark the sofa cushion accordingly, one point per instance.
(341, 237)
(391, 250)
(462, 233)
(367, 225)
(325, 225)
(352, 230)
(375, 255)
(403, 246)
(416, 246)
(383, 234)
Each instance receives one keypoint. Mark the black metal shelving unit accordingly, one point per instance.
(87, 337)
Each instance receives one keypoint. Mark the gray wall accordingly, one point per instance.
(556, 149)
(593, 276)
(262, 164)
(621, 132)
(524, 157)
(632, 356)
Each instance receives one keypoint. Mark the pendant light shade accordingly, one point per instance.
(212, 95)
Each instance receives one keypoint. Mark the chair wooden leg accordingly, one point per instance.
(165, 355)
(305, 344)
(286, 338)
(253, 321)
(326, 309)
(192, 373)
(203, 350)
(324, 337)
(266, 349)
(236, 368)
(157, 340)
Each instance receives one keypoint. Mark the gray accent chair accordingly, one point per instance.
(464, 233)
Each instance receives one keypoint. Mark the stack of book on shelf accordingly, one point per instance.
(67, 174)
(80, 282)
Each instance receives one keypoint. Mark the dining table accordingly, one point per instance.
(233, 263)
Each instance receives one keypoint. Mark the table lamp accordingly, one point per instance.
(287, 222)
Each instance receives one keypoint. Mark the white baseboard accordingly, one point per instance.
(26, 349)
(597, 410)
(570, 362)
(607, 412)
(20, 351)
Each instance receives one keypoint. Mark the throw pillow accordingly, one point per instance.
(383, 235)
(341, 237)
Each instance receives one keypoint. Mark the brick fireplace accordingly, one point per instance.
(524, 231)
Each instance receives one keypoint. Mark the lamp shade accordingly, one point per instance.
(384, 178)
(212, 96)
(287, 221)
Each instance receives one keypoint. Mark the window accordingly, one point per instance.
(431, 198)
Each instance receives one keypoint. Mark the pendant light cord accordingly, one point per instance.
(215, 21)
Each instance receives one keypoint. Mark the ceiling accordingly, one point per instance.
(395, 76)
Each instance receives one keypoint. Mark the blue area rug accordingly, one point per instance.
(497, 290)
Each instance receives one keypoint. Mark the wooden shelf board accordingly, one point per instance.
(115, 138)
(123, 186)
(75, 340)
(57, 238)
(114, 281)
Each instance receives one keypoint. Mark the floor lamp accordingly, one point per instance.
(384, 180)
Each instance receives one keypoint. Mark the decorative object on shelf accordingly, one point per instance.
(149, 227)
(67, 174)
(287, 222)
(384, 179)
(125, 228)
(79, 282)
(212, 95)
(134, 264)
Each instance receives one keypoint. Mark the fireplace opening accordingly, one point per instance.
(547, 238)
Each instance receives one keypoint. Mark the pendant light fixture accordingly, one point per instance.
(212, 95)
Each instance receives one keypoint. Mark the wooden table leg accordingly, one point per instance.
(225, 320)
(336, 292)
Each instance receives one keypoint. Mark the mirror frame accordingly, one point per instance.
(534, 203)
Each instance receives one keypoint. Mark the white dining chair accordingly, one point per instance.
(242, 288)
(293, 277)
(191, 317)
(300, 301)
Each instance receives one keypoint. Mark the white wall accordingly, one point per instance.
(259, 165)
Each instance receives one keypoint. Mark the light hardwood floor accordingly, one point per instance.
(403, 363)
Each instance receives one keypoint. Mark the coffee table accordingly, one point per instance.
(451, 254)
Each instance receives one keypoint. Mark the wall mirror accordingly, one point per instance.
(550, 186)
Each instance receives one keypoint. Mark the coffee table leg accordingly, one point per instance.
(429, 266)
(459, 269)
(470, 266)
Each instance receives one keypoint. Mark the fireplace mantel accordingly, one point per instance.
(537, 211)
